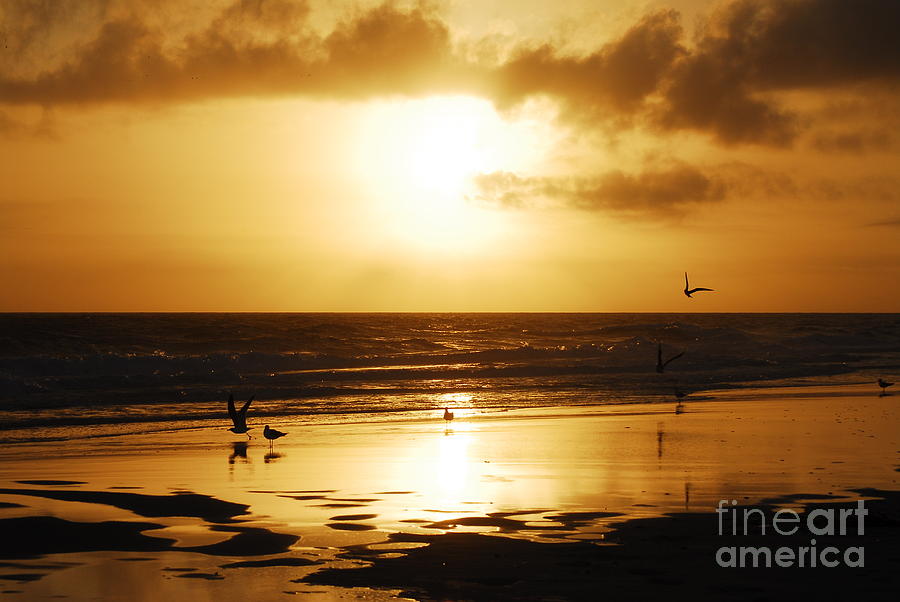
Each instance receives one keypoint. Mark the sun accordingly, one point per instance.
(421, 157)
(444, 145)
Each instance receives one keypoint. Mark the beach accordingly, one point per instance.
(524, 503)
(463, 300)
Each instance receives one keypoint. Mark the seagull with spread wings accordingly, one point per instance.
(688, 291)
(239, 417)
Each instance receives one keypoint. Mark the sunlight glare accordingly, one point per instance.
(420, 157)
(453, 463)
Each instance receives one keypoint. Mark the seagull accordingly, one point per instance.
(884, 385)
(272, 434)
(239, 417)
(688, 291)
(660, 364)
(448, 415)
(679, 393)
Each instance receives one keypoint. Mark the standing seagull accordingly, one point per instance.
(448, 415)
(271, 435)
(884, 385)
(660, 364)
(688, 291)
(239, 417)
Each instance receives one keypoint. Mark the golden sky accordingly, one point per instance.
(455, 155)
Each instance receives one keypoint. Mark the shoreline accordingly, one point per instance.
(64, 428)
(382, 501)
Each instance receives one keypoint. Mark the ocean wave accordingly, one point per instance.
(119, 364)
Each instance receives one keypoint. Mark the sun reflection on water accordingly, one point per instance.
(453, 463)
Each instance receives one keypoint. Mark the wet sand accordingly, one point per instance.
(564, 502)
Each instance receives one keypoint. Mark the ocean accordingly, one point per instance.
(84, 375)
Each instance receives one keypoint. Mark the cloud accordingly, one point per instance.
(250, 48)
(853, 141)
(729, 82)
(651, 193)
(656, 192)
(619, 76)
(875, 188)
(676, 189)
(751, 48)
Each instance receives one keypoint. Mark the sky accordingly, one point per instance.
(449, 155)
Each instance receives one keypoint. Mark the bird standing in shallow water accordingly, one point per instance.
(448, 415)
(884, 385)
(239, 417)
(271, 435)
(688, 291)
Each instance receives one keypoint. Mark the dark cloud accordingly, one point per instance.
(728, 82)
(251, 48)
(618, 76)
(810, 43)
(853, 141)
(878, 188)
(666, 192)
(751, 48)
(652, 193)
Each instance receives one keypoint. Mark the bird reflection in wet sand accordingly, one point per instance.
(679, 395)
(660, 434)
(238, 452)
(272, 456)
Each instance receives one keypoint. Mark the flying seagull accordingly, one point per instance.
(448, 415)
(884, 385)
(660, 364)
(272, 434)
(688, 291)
(239, 417)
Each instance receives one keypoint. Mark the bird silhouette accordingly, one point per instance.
(884, 385)
(660, 364)
(271, 435)
(448, 415)
(679, 394)
(239, 417)
(688, 291)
